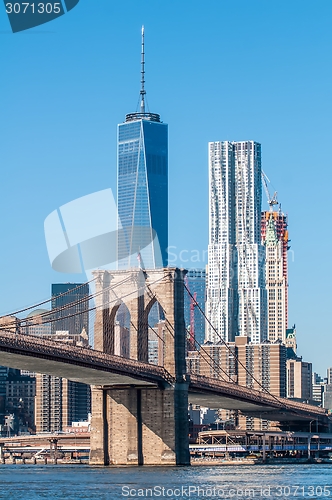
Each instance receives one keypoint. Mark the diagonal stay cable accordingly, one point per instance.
(228, 347)
(94, 308)
(208, 355)
(51, 313)
(153, 295)
(48, 300)
(215, 364)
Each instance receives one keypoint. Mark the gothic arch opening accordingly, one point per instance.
(155, 324)
(122, 331)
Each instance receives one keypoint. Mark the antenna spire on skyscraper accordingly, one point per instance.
(142, 91)
(142, 113)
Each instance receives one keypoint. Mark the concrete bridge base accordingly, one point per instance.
(139, 426)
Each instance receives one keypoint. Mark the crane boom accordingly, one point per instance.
(271, 201)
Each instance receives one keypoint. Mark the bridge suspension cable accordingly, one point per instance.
(84, 299)
(153, 295)
(213, 364)
(15, 313)
(49, 315)
(229, 349)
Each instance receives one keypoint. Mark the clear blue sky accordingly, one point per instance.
(215, 70)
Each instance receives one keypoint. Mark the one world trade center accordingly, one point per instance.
(142, 187)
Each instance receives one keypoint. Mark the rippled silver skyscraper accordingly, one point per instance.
(236, 292)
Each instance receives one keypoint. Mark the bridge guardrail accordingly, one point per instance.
(258, 396)
(140, 369)
(83, 354)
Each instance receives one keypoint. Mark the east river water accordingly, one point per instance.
(80, 482)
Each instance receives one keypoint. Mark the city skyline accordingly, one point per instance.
(76, 98)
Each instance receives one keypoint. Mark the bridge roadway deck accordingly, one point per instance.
(214, 393)
(79, 364)
(96, 368)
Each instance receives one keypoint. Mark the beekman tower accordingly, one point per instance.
(236, 293)
(142, 186)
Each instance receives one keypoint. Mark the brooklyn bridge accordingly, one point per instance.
(140, 407)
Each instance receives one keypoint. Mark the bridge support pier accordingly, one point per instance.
(140, 426)
(98, 431)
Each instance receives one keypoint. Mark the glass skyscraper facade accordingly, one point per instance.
(73, 318)
(195, 281)
(142, 191)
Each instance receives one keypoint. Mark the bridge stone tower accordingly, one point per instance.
(140, 423)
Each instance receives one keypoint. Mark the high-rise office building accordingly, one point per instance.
(142, 187)
(266, 363)
(17, 393)
(327, 395)
(255, 366)
(236, 293)
(72, 304)
(59, 402)
(329, 375)
(196, 283)
(299, 379)
(4, 371)
(20, 400)
(156, 338)
(318, 386)
(15, 390)
(250, 365)
(275, 240)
